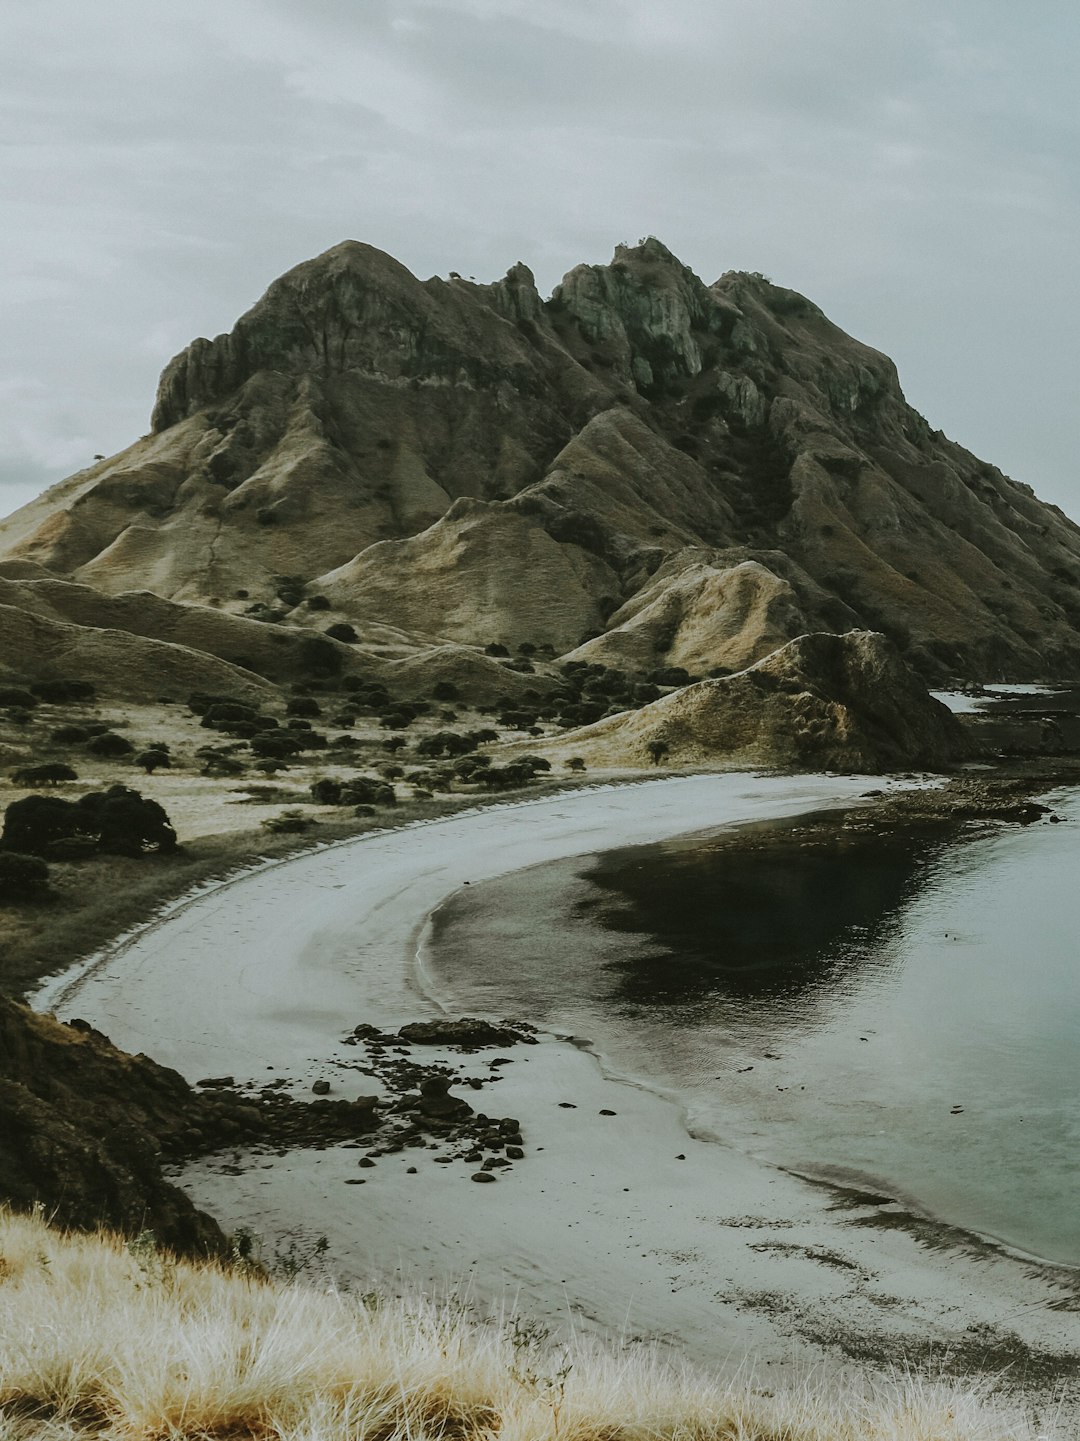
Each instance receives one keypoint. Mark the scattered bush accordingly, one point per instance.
(117, 821)
(276, 745)
(303, 705)
(49, 774)
(200, 701)
(109, 746)
(670, 675)
(512, 776)
(22, 877)
(12, 698)
(288, 822)
(62, 691)
(326, 792)
(153, 760)
(69, 735)
(496, 649)
(445, 690)
(363, 790)
(319, 655)
(341, 630)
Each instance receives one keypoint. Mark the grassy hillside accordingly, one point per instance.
(105, 1339)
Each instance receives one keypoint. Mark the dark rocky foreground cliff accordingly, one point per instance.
(85, 1130)
(641, 471)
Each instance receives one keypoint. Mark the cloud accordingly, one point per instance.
(913, 169)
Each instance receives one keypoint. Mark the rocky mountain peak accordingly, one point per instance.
(658, 466)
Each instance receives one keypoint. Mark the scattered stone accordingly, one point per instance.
(606, 1112)
(216, 1082)
(366, 1162)
(320, 1088)
(482, 1176)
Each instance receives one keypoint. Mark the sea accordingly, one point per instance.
(901, 1016)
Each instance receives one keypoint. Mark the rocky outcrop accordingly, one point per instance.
(822, 702)
(85, 1129)
(492, 466)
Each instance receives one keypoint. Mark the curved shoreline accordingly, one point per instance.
(622, 1221)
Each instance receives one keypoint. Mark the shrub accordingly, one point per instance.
(318, 602)
(657, 751)
(153, 760)
(303, 705)
(109, 745)
(288, 822)
(118, 821)
(49, 774)
(221, 713)
(363, 790)
(508, 777)
(276, 745)
(69, 735)
(445, 690)
(445, 743)
(62, 691)
(319, 655)
(670, 675)
(200, 701)
(224, 766)
(496, 649)
(326, 792)
(575, 763)
(126, 823)
(341, 630)
(12, 698)
(22, 877)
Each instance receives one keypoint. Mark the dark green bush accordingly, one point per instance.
(109, 745)
(22, 877)
(48, 774)
(12, 698)
(62, 691)
(69, 735)
(118, 821)
(303, 705)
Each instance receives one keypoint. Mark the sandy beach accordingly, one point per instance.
(617, 1222)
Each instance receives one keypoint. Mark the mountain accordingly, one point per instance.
(641, 471)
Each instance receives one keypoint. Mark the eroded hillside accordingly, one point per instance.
(641, 471)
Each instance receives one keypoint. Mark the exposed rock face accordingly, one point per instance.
(82, 1129)
(666, 471)
(822, 702)
(85, 1128)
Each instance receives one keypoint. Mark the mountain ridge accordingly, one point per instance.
(642, 469)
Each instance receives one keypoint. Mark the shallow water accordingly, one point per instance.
(903, 1015)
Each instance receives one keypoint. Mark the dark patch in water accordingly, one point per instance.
(760, 919)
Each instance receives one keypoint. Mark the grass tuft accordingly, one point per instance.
(102, 1340)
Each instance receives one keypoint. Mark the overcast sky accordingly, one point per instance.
(910, 166)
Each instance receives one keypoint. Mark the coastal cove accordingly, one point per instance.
(892, 1012)
(615, 1219)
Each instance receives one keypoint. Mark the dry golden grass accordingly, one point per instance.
(114, 1342)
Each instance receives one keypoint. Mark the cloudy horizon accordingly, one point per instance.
(913, 171)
